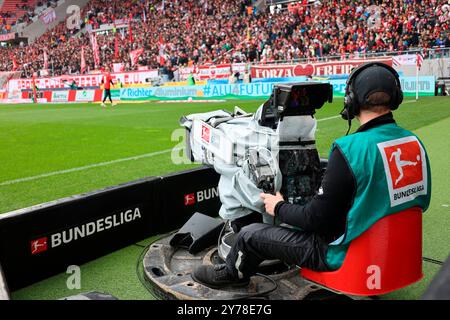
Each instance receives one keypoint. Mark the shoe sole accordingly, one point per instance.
(231, 285)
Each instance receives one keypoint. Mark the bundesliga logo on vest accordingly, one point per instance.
(405, 167)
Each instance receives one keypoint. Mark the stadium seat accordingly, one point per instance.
(392, 247)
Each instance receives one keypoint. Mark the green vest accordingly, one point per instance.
(392, 173)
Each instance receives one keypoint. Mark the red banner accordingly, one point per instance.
(220, 71)
(118, 67)
(212, 72)
(95, 49)
(92, 80)
(310, 69)
(8, 36)
(83, 61)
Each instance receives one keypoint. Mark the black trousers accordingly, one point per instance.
(258, 242)
(107, 94)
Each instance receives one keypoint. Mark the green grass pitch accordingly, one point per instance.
(52, 151)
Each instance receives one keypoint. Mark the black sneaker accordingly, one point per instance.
(217, 277)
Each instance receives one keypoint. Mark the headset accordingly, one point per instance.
(352, 105)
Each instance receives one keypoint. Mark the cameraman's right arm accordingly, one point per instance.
(326, 213)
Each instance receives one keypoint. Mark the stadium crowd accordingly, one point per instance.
(25, 12)
(193, 32)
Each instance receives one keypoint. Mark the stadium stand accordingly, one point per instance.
(15, 11)
(201, 32)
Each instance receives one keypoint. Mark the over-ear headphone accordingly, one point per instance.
(352, 103)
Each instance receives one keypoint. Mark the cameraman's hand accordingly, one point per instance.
(270, 201)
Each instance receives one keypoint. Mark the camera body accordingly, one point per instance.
(268, 151)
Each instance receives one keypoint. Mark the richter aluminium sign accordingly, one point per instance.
(256, 90)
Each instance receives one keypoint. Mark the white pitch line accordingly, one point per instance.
(100, 164)
(410, 101)
(329, 118)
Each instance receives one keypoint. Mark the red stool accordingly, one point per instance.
(390, 249)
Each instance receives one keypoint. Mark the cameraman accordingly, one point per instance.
(364, 170)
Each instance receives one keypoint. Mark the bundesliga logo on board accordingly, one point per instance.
(189, 199)
(405, 167)
(200, 196)
(38, 245)
(88, 229)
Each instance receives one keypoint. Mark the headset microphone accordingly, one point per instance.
(344, 114)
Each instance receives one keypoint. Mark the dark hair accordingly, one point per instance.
(377, 101)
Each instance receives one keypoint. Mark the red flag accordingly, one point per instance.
(135, 54)
(14, 62)
(95, 49)
(419, 60)
(45, 60)
(83, 61)
(129, 28)
(116, 47)
(162, 45)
